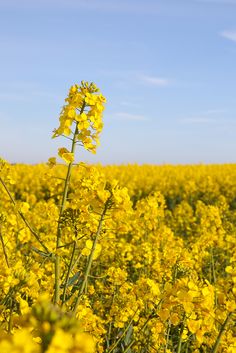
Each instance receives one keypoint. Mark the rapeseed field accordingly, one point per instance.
(133, 259)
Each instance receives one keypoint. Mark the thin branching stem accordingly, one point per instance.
(68, 272)
(10, 321)
(222, 330)
(4, 249)
(91, 256)
(142, 328)
(180, 336)
(24, 218)
(213, 273)
(62, 208)
(151, 316)
(123, 334)
(108, 338)
(167, 336)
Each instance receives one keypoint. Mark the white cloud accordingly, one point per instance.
(12, 97)
(25, 96)
(23, 91)
(128, 116)
(209, 121)
(138, 76)
(154, 80)
(209, 116)
(214, 111)
(129, 104)
(231, 35)
(198, 120)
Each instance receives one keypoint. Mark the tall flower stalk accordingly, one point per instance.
(83, 108)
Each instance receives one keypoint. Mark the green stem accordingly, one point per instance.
(186, 349)
(62, 208)
(179, 345)
(123, 334)
(151, 316)
(217, 342)
(110, 324)
(142, 328)
(24, 218)
(90, 259)
(213, 266)
(167, 336)
(180, 337)
(213, 274)
(4, 249)
(68, 273)
(9, 329)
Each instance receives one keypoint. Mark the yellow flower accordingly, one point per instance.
(194, 325)
(67, 156)
(84, 107)
(61, 342)
(24, 207)
(87, 249)
(52, 162)
(83, 344)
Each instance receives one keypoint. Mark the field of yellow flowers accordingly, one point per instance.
(133, 259)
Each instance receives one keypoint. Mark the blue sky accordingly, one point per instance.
(167, 68)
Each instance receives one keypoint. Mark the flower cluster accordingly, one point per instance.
(81, 117)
